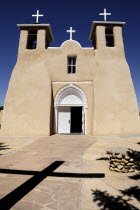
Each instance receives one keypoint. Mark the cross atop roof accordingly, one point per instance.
(37, 16)
(105, 14)
(71, 31)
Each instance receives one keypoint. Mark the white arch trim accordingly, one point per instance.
(74, 41)
(82, 102)
(77, 89)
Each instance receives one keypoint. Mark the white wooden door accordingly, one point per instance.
(64, 119)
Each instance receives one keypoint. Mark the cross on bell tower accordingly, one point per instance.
(37, 16)
(105, 14)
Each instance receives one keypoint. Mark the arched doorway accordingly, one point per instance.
(70, 110)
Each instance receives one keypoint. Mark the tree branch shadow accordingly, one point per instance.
(103, 158)
(136, 176)
(132, 192)
(136, 156)
(109, 202)
(3, 147)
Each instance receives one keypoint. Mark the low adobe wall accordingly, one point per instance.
(121, 161)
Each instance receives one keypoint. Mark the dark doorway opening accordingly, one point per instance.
(76, 120)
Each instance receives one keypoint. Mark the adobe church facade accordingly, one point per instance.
(70, 89)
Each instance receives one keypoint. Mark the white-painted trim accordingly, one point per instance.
(85, 120)
(70, 105)
(53, 47)
(74, 87)
(73, 82)
(88, 48)
(84, 48)
(70, 41)
(84, 105)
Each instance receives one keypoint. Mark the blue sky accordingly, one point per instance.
(61, 15)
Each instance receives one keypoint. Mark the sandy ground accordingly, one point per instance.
(116, 190)
(11, 144)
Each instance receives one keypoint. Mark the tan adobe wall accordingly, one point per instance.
(112, 105)
(1, 111)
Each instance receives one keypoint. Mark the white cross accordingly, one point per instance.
(105, 14)
(71, 31)
(37, 16)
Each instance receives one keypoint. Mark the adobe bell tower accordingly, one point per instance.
(115, 100)
(29, 81)
(105, 35)
(34, 36)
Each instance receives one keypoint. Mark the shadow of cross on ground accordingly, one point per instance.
(13, 197)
